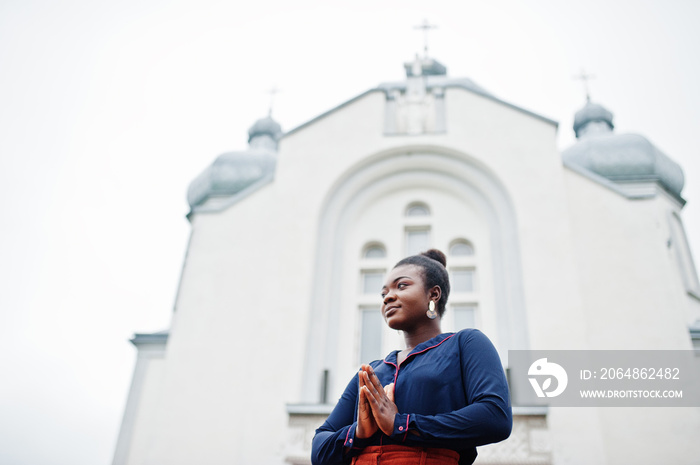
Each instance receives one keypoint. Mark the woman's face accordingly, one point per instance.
(404, 298)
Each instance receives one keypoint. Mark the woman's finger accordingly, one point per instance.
(378, 399)
(376, 384)
(368, 381)
(363, 402)
(366, 424)
(374, 381)
(371, 397)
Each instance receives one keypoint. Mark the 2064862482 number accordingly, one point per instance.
(639, 373)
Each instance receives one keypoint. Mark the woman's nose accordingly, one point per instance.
(389, 297)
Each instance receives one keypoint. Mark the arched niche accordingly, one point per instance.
(384, 172)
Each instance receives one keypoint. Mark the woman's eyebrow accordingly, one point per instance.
(397, 279)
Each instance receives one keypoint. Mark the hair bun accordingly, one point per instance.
(436, 255)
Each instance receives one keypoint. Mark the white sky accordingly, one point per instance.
(109, 109)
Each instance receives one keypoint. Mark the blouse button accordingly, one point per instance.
(400, 428)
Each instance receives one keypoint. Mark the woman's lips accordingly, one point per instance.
(390, 311)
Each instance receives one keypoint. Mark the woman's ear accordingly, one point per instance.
(435, 293)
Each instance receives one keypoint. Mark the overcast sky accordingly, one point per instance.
(109, 109)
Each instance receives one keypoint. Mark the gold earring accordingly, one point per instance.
(432, 314)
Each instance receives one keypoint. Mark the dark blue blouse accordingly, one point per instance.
(451, 392)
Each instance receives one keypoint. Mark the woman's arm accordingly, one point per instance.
(475, 425)
(328, 445)
(343, 435)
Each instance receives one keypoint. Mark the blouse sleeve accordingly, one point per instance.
(487, 418)
(335, 442)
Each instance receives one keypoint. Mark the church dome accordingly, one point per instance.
(234, 172)
(265, 126)
(592, 113)
(619, 157)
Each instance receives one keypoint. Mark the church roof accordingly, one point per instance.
(234, 175)
(620, 158)
(435, 76)
(160, 337)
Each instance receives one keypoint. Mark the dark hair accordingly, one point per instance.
(433, 263)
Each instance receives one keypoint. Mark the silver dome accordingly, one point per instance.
(233, 172)
(619, 157)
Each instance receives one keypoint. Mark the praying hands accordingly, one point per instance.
(377, 409)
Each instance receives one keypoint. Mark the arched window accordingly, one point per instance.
(417, 228)
(417, 209)
(374, 250)
(461, 248)
(417, 240)
(463, 284)
(462, 280)
(372, 281)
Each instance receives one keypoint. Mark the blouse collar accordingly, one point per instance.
(420, 348)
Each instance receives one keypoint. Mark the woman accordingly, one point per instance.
(431, 403)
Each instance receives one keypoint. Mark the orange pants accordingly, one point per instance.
(402, 455)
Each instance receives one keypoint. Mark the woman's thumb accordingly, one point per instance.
(389, 390)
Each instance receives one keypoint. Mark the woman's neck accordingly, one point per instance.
(420, 335)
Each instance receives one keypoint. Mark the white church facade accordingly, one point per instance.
(291, 238)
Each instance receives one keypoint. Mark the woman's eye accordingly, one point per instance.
(402, 285)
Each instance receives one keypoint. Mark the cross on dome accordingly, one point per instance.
(585, 77)
(273, 91)
(425, 27)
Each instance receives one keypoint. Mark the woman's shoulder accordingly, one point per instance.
(468, 331)
(473, 336)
